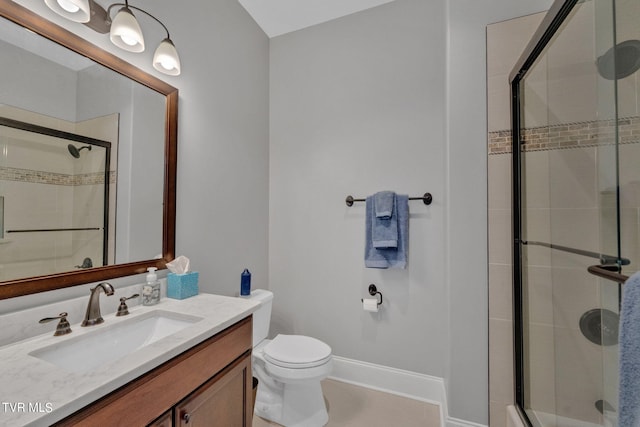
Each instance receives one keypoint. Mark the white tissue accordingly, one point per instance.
(179, 265)
(370, 304)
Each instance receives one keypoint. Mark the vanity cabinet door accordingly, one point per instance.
(166, 420)
(222, 401)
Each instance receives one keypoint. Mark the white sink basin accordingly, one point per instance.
(112, 342)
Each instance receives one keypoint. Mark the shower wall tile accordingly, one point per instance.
(579, 378)
(536, 113)
(629, 175)
(539, 294)
(497, 414)
(501, 360)
(505, 43)
(499, 101)
(570, 97)
(628, 96)
(501, 291)
(575, 291)
(500, 236)
(574, 176)
(536, 224)
(499, 172)
(572, 77)
(535, 172)
(568, 228)
(629, 237)
(542, 365)
(536, 256)
(507, 40)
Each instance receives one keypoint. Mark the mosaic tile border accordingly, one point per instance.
(571, 135)
(40, 177)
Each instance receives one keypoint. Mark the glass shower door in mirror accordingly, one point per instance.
(55, 188)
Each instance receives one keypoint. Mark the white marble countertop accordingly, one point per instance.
(34, 392)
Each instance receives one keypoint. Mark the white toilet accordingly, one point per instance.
(289, 369)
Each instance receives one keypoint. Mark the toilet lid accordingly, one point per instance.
(296, 351)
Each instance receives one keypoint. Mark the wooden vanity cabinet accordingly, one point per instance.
(166, 420)
(210, 384)
(216, 402)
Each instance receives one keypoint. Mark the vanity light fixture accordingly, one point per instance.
(124, 29)
(74, 10)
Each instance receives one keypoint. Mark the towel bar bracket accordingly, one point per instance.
(426, 199)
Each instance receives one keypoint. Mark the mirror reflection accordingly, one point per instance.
(56, 207)
(86, 160)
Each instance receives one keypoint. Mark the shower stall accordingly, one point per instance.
(576, 208)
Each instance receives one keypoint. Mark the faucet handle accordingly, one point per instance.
(123, 310)
(63, 327)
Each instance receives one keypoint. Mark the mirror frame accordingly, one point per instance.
(31, 285)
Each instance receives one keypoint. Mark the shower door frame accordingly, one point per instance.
(30, 127)
(552, 21)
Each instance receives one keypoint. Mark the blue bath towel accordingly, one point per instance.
(384, 223)
(388, 257)
(629, 389)
(384, 203)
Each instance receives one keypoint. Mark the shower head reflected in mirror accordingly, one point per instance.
(75, 151)
(620, 61)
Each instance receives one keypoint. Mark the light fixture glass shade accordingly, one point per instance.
(125, 31)
(74, 10)
(166, 59)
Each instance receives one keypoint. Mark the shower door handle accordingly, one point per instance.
(609, 272)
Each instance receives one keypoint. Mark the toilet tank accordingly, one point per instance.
(262, 316)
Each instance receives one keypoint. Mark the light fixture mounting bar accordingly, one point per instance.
(126, 4)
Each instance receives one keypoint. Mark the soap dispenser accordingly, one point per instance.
(151, 289)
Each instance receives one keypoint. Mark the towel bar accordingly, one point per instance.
(426, 199)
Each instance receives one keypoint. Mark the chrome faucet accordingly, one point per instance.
(93, 316)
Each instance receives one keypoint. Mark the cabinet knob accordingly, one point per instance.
(186, 417)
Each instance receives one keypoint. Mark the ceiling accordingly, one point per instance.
(277, 17)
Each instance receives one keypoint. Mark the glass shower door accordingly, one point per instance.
(618, 70)
(578, 206)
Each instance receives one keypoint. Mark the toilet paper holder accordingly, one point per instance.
(374, 291)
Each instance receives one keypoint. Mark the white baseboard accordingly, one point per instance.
(409, 384)
(455, 422)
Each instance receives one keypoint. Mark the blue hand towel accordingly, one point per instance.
(384, 203)
(388, 257)
(385, 228)
(629, 389)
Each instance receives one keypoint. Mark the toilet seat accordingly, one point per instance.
(296, 352)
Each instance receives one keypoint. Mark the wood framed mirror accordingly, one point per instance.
(44, 28)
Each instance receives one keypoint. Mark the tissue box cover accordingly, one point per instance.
(181, 286)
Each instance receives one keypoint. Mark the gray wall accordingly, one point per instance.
(23, 87)
(338, 109)
(357, 106)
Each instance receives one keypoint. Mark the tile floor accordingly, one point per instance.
(353, 406)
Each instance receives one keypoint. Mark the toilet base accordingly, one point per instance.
(292, 405)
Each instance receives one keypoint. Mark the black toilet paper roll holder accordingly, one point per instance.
(374, 291)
